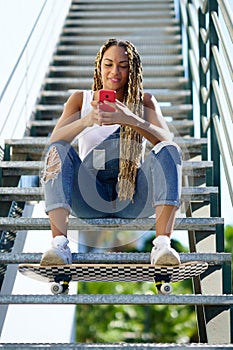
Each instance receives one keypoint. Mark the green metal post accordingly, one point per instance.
(215, 153)
(202, 75)
(190, 80)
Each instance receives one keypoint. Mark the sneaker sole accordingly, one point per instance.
(52, 259)
(167, 259)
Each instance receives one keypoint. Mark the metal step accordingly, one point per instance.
(120, 299)
(33, 147)
(85, 60)
(121, 22)
(113, 346)
(44, 127)
(137, 40)
(86, 83)
(143, 50)
(87, 71)
(213, 259)
(24, 194)
(116, 12)
(110, 31)
(18, 168)
(162, 95)
(28, 223)
(44, 111)
(50, 124)
(25, 144)
(114, 6)
(121, 2)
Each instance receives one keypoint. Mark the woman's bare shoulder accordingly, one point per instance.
(75, 100)
(148, 99)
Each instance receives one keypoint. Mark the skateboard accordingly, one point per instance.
(162, 276)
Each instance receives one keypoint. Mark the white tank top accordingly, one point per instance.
(92, 136)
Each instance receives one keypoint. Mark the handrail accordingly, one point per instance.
(219, 137)
(223, 79)
(224, 45)
(227, 15)
(211, 71)
(22, 52)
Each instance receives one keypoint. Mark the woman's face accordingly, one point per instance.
(115, 69)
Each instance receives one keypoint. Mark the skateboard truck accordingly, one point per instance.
(162, 283)
(61, 284)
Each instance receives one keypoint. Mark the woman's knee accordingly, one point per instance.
(167, 159)
(166, 147)
(52, 166)
(53, 160)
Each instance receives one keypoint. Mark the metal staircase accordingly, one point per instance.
(152, 26)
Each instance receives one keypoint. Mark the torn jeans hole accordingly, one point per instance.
(52, 166)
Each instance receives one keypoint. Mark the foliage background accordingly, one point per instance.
(228, 235)
(135, 323)
(138, 323)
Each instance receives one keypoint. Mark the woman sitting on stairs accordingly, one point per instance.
(109, 177)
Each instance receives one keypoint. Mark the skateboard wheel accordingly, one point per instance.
(166, 288)
(56, 288)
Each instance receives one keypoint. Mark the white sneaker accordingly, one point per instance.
(162, 253)
(59, 254)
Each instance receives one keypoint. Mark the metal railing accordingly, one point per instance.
(208, 27)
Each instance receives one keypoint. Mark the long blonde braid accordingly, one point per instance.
(130, 140)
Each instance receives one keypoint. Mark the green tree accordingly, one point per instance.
(228, 235)
(133, 323)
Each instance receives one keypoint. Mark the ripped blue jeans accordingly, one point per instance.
(88, 188)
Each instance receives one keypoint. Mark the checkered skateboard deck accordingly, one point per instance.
(113, 272)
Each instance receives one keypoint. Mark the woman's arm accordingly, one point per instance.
(70, 124)
(153, 127)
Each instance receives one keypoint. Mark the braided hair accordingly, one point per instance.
(130, 139)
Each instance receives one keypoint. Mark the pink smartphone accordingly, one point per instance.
(107, 95)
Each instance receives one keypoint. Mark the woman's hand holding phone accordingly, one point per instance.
(109, 115)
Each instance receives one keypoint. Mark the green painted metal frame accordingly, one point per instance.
(208, 109)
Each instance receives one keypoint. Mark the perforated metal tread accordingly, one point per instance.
(116, 258)
(44, 141)
(200, 224)
(119, 299)
(33, 167)
(36, 193)
(113, 273)
(174, 111)
(113, 346)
